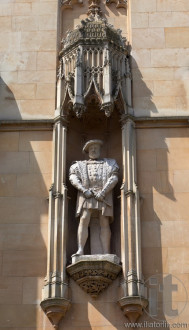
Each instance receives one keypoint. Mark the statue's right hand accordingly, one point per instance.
(88, 194)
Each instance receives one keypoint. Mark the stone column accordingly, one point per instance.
(132, 287)
(55, 301)
(107, 81)
(128, 86)
(78, 86)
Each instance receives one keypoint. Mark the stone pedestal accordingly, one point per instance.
(94, 273)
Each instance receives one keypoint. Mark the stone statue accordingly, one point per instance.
(95, 179)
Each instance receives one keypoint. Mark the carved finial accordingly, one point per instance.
(94, 9)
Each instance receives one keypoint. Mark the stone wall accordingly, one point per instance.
(28, 32)
(25, 177)
(160, 50)
(163, 184)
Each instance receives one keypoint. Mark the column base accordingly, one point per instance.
(55, 309)
(132, 307)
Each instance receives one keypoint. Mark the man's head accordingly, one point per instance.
(93, 148)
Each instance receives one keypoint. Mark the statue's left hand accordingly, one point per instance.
(99, 196)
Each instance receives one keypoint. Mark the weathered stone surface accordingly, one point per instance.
(18, 61)
(32, 288)
(9, 141)
(169, 19)
(177, 37)
(148, 38)
(46, 60)
(24, 263)
(38, 141)
(14, 162)
(41, 108)
(139, 20)
(169, 5)
(97, 257)
(95, 275)
(5, 23)
(143, 6)
(21, 209)
(38, 41)
(28, 27)
(45, 91)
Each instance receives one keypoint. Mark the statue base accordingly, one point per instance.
(94, 273)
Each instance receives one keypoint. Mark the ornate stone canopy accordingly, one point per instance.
(93, 64)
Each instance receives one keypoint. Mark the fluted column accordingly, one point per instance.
(55, 301)
(132, 287)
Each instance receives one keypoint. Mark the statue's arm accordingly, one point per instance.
(110, 184)
(75, 179)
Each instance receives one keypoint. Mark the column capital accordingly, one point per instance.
(61, 119)
(126, 118)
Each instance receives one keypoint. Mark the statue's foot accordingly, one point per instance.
(78, 253)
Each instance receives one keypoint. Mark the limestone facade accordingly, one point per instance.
(30, 38)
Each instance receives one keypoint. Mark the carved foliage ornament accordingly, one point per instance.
(94, 276)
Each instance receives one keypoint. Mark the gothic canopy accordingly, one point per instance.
(94, 65)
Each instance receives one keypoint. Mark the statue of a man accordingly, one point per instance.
(95, 179)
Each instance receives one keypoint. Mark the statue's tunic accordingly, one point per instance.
(96, 175)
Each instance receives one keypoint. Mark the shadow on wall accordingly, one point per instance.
(8, 104)
(25, 176)
(142, 94)
(153, 177)
(161, 169)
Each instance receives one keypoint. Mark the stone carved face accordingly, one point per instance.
(94, 151)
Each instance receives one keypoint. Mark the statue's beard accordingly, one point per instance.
(94, 156)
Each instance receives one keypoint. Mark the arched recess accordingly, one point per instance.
(94, 124)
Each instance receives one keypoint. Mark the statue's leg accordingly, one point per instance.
(83, 230)
(105, 233)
